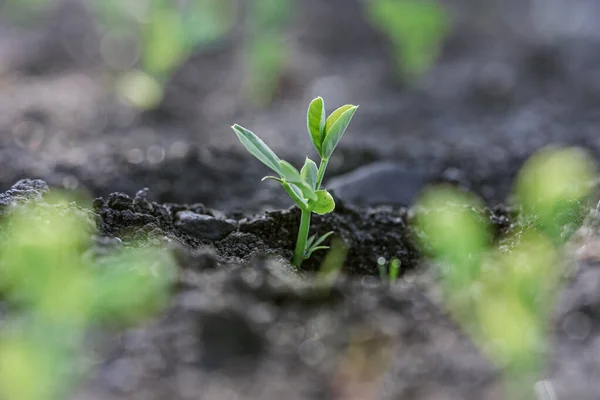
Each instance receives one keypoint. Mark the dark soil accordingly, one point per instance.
(242, 323)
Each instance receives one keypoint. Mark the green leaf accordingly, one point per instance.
(295, 193)
(289, 172)
(309, 172)
(324, 204)
(258, 148)
(394, 269)
(163, 40)
(313, 249)
(322, 238)
(334, 116)
(415, 28)
(316, 122)
(291, 175)
(298, 192)
(310, 241)
(312, 245)
(336, 126)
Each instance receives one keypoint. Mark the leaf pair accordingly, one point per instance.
(302, 183)
(326, 132)
(313, 244)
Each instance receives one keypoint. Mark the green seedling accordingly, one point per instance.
(265, 51)
(416, 29)
(394, 270)
(388, 273)
(26, 12)
(332, 264)
(503, 293)
(551, 185)
(56, 287)
(304, 186)
(166, 33)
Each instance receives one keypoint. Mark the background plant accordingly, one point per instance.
(167, 32)
(304, 187)
(503, 293)
(416, 29)
(54, 288)
(265, 51)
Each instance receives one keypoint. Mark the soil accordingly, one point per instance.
(242, 323)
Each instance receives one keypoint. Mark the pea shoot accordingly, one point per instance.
(304, 186)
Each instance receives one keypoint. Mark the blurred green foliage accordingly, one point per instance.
(266, 51)
(389, 271)
(55, 288)
(551, 185)
(333, 263)
(170, 31)
(167, 32)
(503, 294)
(416, 28)
(25, 11)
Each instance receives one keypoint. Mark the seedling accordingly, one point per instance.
(56, 286)
(304, 186)
(502, 292)
(388, 273)
(416, 29)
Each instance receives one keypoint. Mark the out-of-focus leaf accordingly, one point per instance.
(551, 183)
(140, 89)
(163, 39)
(133, 285)
(205, 21)
(452, 229)
(415, 27)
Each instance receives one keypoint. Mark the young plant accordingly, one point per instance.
(304, 186)
(503, 293)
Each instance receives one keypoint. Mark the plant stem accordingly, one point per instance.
(321, 173)
(305, 219)
(302, 238)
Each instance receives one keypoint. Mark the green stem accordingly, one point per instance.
(302, 238)
(305, 217)
(321, 173)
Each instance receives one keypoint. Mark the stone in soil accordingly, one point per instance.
(379, 183)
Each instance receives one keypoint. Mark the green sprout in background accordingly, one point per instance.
(56, 289)
(304, 186)
(167, 32)
(416, 29)
(266, 51)
(551, 186)
(332, 264)
(26, 11)
(503, 294)
(389, 273)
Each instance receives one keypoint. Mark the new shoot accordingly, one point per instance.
(304, 186)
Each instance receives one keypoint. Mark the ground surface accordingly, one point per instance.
(242, 325)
